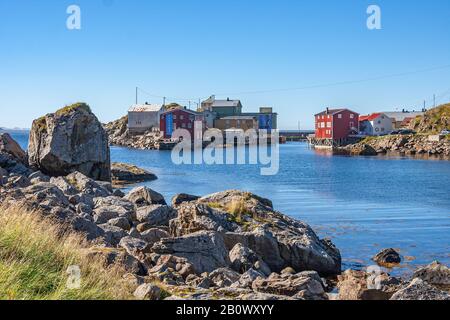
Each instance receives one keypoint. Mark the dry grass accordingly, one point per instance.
(35, 257)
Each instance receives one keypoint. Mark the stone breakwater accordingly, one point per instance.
(413, 145)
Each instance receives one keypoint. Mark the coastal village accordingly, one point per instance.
(151, 126)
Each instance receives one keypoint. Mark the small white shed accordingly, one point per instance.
(143, 117)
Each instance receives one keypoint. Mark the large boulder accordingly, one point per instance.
(242, 217)
(10, 146)
(205, 250)
(71, 139)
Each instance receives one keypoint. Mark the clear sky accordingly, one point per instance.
(190, 49)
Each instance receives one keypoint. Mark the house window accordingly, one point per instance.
(181, 117)
(189, 125)
(183, 125)
(352, 115)
(352, 124)
(328, 124)
(340, 115)
(174, 117)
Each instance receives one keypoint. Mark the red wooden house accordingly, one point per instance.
(180, 119)
(336, 124)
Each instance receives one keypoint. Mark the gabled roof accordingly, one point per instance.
(370, 117)
(225, 103)
(331, 112)
(185, 110)
(400, 116)
(145, 108)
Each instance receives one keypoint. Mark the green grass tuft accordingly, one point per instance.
(35, 257)
(76, 106)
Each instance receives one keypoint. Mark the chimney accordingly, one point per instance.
(328, 110)
(228, 99)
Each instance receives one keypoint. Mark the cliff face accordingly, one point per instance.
(434, 120)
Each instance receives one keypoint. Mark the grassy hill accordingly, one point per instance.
(35, 257)
(434, 121)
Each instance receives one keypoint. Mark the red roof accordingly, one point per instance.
(371, 117)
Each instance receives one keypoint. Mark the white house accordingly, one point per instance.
(375, 124)
(143, 117)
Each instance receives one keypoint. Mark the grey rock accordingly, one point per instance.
(89, 228)
(224, 277)
(204, 250)
(135, 247)
(148, 291)
(37, 177)
(246, 280)
(420, 290)
(436, 274)
(64, 185)
(71, 139)
(120, 222)
(306, 285)
(118, 193)
(193, 217)
(154, 235)
(155, 215)
(123, 173)
(242, 258)
(245, 218)
(18, 182)
(143, 196)
(134, 233)
(113, 234)
(46, 196)
(183, 197)
(360, 285)
(87, 185)
(387, 257)
(10, 146)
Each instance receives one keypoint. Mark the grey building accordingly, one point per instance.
(143, 117)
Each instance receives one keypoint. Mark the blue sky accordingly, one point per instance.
(190, 49)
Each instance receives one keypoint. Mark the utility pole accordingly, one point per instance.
(136, 95)
(164, 101)
(434, 101)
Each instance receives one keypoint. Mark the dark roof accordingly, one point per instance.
(332, 112)
(185, 110)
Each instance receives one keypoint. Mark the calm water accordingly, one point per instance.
(363, 204)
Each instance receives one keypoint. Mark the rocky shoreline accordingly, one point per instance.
(410, 145)
(227, 245)
(119, 136)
